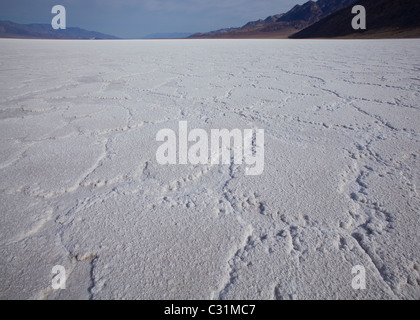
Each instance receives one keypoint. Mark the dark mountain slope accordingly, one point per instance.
(385, 19)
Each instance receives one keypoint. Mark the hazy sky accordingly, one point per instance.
(136, 18)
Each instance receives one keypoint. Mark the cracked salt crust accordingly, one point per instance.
(80, 186)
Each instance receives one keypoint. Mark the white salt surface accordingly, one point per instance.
(80, 185)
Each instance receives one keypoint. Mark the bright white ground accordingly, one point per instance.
(80, 185)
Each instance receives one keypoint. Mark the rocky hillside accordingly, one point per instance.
(384, 18)
(281, 25)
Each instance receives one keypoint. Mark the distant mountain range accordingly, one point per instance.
(281, 25)
(171, 35)
(385, 19)
(45, 31)
(320, 19)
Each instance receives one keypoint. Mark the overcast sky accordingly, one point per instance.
(136, 18)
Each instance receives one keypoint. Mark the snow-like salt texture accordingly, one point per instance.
(80, 185)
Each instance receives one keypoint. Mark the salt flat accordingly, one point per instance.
(80, 185)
